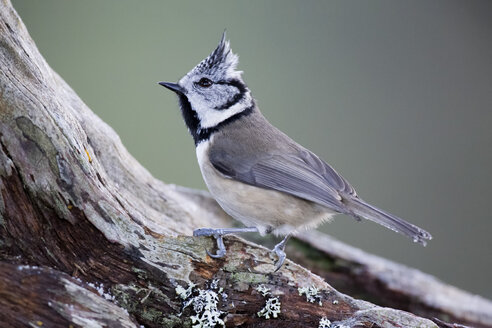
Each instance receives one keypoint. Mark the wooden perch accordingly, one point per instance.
(89, 238)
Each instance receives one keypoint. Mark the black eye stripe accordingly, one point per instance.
(237, 97)
(235, 83)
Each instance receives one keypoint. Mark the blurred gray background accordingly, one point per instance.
(396, 95)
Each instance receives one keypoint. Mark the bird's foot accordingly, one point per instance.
(217, 234)
(279, 250)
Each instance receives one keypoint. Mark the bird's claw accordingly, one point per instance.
(217, 234)
(220, 253)
(279, 251)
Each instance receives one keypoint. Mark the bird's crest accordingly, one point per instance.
(222, 61)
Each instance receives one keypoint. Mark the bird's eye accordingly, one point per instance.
(204, 82)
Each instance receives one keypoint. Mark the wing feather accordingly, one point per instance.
(303, 175)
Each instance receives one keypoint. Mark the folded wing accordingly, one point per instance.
(305, 175)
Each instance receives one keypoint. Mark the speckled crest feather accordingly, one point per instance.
(222, 61)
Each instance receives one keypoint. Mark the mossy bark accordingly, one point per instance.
(89, 238)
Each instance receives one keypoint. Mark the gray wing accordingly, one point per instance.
(302, 174)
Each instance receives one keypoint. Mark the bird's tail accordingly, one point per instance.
(360, 208)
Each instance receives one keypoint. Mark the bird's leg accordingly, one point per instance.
(217, 234)
(279, 249)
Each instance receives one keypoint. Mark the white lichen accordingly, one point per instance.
(22, 267)
(271, 308)
(185, 293)
(100, 290)
(263, 290)
(214, 284)
(324, 323)
(205, 307)
(335, 302)
(204, 304)
(312, 294)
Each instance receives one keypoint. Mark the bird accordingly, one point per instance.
(256, 173)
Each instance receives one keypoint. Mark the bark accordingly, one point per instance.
(89, 238)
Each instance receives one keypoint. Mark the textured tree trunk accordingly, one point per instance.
(89, 238)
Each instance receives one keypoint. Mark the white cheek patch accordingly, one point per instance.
(210, 118)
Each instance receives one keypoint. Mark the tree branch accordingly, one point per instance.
(75, 204)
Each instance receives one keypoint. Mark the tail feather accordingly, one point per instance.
(360, 208)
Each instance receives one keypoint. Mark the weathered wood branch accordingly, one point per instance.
(35, 296)
(89, 238)
(389, 284)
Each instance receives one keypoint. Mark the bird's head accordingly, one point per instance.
(213, 91)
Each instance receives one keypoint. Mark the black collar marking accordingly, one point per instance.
(193, 123)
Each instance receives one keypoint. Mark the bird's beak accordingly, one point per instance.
(173, 87)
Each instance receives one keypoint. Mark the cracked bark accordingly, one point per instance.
(89, 238)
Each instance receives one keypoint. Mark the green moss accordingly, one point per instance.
(249, 277)
(124, 298)
(152, 315)
(175, 321)
(163, 319)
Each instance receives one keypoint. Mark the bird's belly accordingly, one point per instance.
(263, 208)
